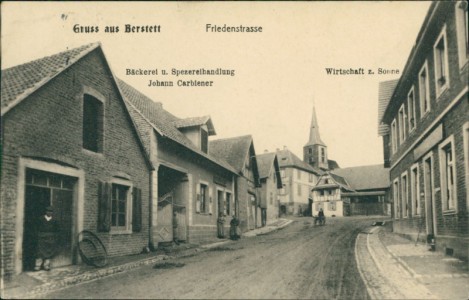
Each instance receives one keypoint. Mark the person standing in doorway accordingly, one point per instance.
(47, 240)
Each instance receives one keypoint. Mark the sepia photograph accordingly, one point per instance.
(234, 150)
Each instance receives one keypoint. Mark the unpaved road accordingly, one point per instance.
(299, 261)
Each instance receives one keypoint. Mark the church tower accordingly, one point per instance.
(315, 151)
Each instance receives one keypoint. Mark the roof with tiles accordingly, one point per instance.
(161, 120)
(232, 150)
(366, 177)
(338, 181)
(20, 81)
(265, 163)
(386, 90)
(286, 158)
(196, 121)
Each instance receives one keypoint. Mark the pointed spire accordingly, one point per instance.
(314, 138)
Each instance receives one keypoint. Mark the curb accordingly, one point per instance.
(252, 233)
(89, 276)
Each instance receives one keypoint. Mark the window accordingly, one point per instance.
(323, 155)
(411, 109)
(448, 174)
(310, 151)
(395, 193)
(394, 136)
(321, 192)
(415, 190)
(203, 141)
(92, 124)
(203, 199)
(311, 178)
(282, 173)
(299, 189)
(401, 124)
(404, 195)
(462, 32)
(119, 206)
(332, 205)
(441, 63)
(424, 90)
(298, 174)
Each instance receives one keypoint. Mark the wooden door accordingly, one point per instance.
(62, 201)
(165, 221)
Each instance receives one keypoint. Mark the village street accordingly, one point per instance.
(298, 261)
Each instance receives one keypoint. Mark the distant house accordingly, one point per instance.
(271, 182)
(371, 195)
(425, 128)
(69, 141)
(328, 195)
(239, 153)
(187, 183)
(298, 178)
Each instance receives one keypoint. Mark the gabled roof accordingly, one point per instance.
(20, 81)
(386, 89)
(286, 158)
(366, 177)
(232, 150)
(196, 121)
(338, 181)
(265, 163)
(161, 120)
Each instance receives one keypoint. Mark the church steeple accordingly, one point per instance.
(315, 151)
(314, 137)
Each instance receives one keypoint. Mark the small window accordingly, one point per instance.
(311, 177)
(411, 109)
(424, 90)
(119, 206)
(204, 141)
(448, 175)
(323, 155)
(415, 190)
(395, 193)
(402, 124)
(462, 32)
(332, 206)
(92, 124)
(203, 198)
(404, 196)
(310, 151)
(394, 137)
(441, 63)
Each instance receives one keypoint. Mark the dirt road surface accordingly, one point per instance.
(301, 261)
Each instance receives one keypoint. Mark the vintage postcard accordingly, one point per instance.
(234, 150)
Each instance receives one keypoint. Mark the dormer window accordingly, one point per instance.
(203, 141)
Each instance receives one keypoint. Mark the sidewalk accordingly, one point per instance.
(405, 270)
(35, 284)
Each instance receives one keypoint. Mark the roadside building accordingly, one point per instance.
(328, 195)
(271, 182)
(371, 190)
(239, 153)
(69, 141)
(190, 188)
(425, 129)
(298, 178)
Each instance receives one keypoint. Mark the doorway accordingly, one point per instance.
(44, 189)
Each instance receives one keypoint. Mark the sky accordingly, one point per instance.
(280, 73)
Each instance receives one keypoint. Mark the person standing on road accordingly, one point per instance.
(321, 216)
(220, 225)
(175, 229)
(47, 242)
(234, 228)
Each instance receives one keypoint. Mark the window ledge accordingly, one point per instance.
(97, 154)
(204, 214)
(120, 231)
(441, 91)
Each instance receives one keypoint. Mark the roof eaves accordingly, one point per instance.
(45, 80)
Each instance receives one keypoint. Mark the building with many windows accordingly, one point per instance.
(298, 179)
(425, 129)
